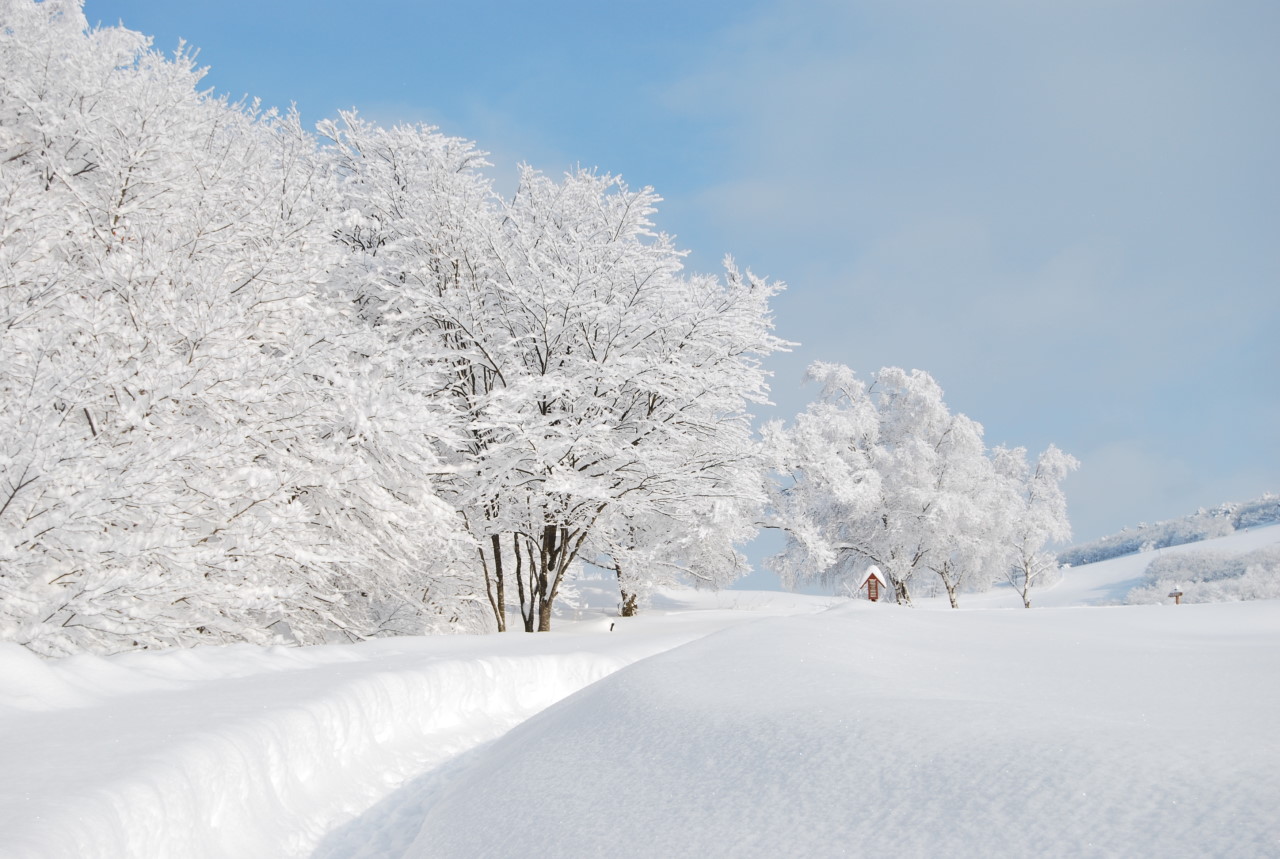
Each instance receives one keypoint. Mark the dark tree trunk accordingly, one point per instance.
(500, 607)
(549, 568)
(526, 600)
(630, 602)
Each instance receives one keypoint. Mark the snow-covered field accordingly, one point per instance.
(734, 724)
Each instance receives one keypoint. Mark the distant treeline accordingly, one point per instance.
(1206, 575)
(1201, 525)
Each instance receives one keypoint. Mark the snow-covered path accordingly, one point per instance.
(734, 724)
(881, 731)
(245, 752)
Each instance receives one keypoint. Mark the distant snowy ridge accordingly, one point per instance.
(1211, 576)
(1201, 525)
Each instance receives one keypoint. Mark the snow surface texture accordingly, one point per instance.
(754, 727)
(881, 731)
(244, 751)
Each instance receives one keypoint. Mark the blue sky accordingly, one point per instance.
(1067, 211)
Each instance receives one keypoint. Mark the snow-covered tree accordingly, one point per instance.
(195, 445)
(865, 465)
(1035, 510)
(595, 389)
(691, 542)
(696, 475)
(886, 475)
(915, 426)
(258, 383)
(965, 521)
(832, 486)
(1210, 575)
(625, 382)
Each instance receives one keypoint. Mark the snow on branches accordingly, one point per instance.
(886, 475)
(597, 394)
(195, 443)
(259, 383)
(263, 384)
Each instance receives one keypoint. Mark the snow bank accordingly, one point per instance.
(875, 730)
(262, 765)
(1146, 730)
(248, 751)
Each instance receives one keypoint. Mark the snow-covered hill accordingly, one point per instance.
(1205, 524)
(1108, 582)
(732, 724)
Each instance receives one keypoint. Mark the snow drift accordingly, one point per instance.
(876, 730)
(246, 751)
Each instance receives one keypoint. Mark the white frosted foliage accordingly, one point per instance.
(260, 384)
(196, 445)
(886, 475)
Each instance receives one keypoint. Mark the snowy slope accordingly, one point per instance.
(1107, 582)
(880, 731)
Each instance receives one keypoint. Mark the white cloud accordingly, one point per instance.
(1064, 210)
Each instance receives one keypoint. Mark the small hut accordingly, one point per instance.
(872, 581)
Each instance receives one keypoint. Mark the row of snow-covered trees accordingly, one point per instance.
(884, 474)
(1204, 524)
(593, 394)
(256, 381)
(185, 445)
(1210, 575)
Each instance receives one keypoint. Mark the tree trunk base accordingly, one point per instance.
(630, 605)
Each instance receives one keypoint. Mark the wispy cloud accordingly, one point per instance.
(1065, 211)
